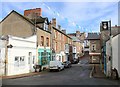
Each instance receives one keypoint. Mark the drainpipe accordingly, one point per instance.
(110, 43)
(6, 57)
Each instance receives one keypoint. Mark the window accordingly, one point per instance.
(16, 61)
(45, 26)
(33, 59)
(56, 34)
(19, 61)
(93, 47)
(42, 41)
(47, 41)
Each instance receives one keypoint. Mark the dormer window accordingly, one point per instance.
(45, 26)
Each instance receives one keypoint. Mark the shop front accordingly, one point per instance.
(44, 57)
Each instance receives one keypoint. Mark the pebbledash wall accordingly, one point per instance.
(22, 56)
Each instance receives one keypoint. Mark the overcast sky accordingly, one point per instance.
(73, 15)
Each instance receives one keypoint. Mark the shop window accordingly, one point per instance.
(19, 61)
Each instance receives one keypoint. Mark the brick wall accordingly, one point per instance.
(33, 12)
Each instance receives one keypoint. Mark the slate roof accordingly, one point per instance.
(93, 36)
(75, 39)
(40, 20)
(61, 32)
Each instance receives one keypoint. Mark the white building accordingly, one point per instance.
(2, 56)
(20, 55)
(116, 53)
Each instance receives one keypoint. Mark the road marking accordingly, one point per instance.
(91, 72)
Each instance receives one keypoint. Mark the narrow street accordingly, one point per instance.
(78, 74)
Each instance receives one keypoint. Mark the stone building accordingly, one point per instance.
(94, 47)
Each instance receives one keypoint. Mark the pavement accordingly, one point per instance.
(22, 75)
(97, 72)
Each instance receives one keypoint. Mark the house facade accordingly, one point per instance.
(43, 35)
(21, 56)
(20, 46)
(77, 48)
(60, 42)
(107, 49)
(81, 44)
(94, 47)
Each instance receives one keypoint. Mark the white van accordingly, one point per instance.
(56, 65)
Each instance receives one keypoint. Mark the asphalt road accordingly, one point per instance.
(78, 74)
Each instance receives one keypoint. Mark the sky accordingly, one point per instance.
(72, 15)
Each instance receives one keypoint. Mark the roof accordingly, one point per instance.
(72, 34)
(40, 19)
(61, 32)
(93, 36)
(75, 39)
(27, 19)
(115, 30)
(13, 11)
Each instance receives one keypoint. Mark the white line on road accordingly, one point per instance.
(91, 72)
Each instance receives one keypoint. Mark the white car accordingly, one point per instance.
(56, 65)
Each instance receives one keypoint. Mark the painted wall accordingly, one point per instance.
(20, 61)
(115, 53)
(17, 26)
(2, 56)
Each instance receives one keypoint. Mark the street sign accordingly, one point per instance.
(105, 25)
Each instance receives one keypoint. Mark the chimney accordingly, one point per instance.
(54, 22)
(77, 33)
(115, 25)
(33, 12)
(64, 31)
(59, 27)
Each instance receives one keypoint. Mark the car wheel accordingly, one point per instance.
(59, 69)
(50, 70)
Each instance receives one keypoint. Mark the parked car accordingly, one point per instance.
(75, 61)
(67, 64)
(56, 65)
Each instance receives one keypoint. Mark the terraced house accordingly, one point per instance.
(94, 47)
(26, 43)
(19, 48)
(43, 35)
(60, 42)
